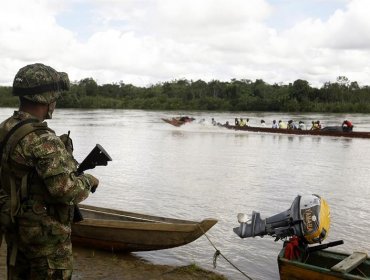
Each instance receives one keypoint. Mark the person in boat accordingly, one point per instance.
(315, 125)
(202, 121)
(226, 124)
(213, 121)
(236, 122)
(274, 124)
(178, 119)
(39, 184)
(185, 119)
(347, 126)
(242, 122)
(247, 122)
(282, 125)
(263, 123)
(291, 125)
(301, 125)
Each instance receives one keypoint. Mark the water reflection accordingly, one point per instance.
(177, 133)
(316, 139)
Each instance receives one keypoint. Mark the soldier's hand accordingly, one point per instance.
(68, 143)
(93, 181)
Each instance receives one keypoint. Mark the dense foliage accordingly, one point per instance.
(236, 95)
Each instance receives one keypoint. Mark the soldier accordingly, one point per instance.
(39, 185)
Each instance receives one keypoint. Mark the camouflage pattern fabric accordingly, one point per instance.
(4, 213)
(46, 98)
(43, 226)
(55, 166)
(36, 269)
(40, 83)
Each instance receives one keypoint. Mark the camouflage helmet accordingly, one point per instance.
(40, 83)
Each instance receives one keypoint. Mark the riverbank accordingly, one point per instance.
(92, 264)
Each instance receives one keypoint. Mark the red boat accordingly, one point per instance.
(178, 121)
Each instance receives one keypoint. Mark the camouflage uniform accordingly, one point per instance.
(39, 239)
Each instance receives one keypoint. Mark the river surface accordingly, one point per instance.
(198, 171)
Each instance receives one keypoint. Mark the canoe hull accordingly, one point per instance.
(113, 231)
(317, 267)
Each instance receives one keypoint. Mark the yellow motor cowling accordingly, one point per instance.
(315, 215)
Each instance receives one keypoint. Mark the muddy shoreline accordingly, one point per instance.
(96, 264)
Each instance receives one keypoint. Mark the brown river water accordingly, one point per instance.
(198, 171)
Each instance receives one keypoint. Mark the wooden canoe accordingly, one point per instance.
(116, 230)
(319, 132)
(325, 265)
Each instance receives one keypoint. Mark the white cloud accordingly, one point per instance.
(143, 42)
(350, 29)
(29, 33)
(338, 46)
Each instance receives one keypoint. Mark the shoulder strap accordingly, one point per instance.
(17, 133)
(22, 131)
(11, 131)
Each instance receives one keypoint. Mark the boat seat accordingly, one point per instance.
(350, 262)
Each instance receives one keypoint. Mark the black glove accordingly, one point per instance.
(93, 181)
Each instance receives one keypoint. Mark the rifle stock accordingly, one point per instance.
(97, 157)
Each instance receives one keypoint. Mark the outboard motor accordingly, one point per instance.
(308, 218)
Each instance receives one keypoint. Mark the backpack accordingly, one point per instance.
(13, 176)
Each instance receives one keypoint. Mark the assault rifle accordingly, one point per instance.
(97, 157)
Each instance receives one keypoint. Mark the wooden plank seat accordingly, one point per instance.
(350, 262)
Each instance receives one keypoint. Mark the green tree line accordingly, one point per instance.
(235, 95)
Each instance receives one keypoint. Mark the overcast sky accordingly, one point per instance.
(144, 42)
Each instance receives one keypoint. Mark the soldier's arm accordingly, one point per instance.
(57, 168)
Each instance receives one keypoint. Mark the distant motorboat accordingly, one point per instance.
(178, 121)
